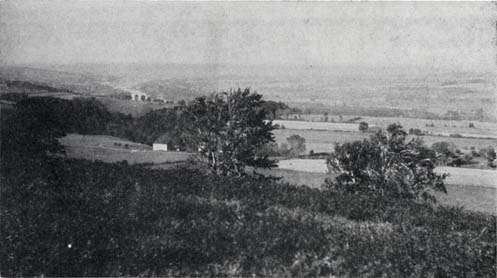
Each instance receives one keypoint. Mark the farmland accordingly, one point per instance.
(103, 148)
(472, 189)
(323, 140)
(322, 136)
(470, 177)
(435, 127)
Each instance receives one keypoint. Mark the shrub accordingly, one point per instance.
(386, 165)
(416, 131)
(490, 154)
(363, 126)
(297, 144)
(445, 151)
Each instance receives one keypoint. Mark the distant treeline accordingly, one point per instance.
(476, 115)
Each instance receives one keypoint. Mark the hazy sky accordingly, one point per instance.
(433, 35)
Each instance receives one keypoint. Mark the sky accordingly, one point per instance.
(457, 35)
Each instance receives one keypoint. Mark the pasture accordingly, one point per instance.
(75, 140)
(467, 176)
(462, 190)
(100, 147)
(323, 140)
(441, 127)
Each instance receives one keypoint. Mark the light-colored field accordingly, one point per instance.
(469, 177)
(319, 140)
(305, 125)
(445, 127)
(476, 198)
(323, 140)
(442, 127)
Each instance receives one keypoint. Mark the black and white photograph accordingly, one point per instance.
(248, 139)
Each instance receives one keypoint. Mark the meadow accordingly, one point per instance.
(470, 177)
(460, 193)
(322, 140)
(131, 156)
(103, 148)
(350, 123)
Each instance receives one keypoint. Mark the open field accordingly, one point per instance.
(443, 127)
(323, 140)
(306, 125)
(475, 198)
(78, 140)
(100, 147)
(319, 140)
(480, 129)
(131, 156)
(469, 177)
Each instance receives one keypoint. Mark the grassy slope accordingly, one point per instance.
(129, 220)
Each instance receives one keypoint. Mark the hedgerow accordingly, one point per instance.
(64, 217)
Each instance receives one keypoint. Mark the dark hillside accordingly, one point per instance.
(80, 218)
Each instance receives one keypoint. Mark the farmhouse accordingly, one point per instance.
(159, 147)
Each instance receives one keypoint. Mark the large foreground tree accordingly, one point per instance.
(227, 129)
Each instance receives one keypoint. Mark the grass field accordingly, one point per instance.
(131, 156)
(467, 176)
(305, 125)
(78, 140)
(475, 198)
(314, 121)
(101, 147)
(323, 140)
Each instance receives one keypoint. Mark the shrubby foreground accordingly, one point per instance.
(79, 218)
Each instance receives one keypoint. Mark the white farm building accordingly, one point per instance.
(159, 147)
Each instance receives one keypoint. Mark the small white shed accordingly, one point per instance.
(159, 147)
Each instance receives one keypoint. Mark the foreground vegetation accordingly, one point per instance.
(81, 218)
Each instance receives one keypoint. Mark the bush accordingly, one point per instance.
(386, 165)
(416, 131)
(363, 126)
(297, 144)
(445, 151)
